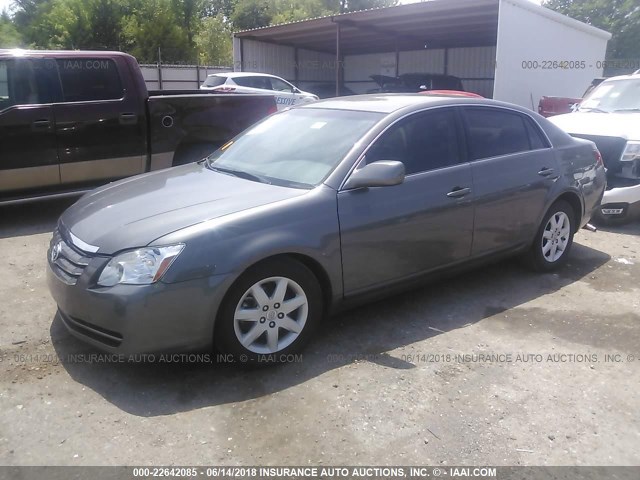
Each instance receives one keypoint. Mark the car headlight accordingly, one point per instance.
(139, 267)
(631, 152)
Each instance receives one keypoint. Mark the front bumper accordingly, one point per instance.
(130, 319)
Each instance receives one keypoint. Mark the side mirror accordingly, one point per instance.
(382, 173)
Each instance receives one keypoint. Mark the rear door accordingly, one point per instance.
(28, 158)
(100, 125)
(514, 170)
(392, 233)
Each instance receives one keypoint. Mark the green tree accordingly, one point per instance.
(620, 17)
(293, 10)
(213, 42)
(9, 35)
(212, 8)
(153, 25)
(188, 14)
(249, 14)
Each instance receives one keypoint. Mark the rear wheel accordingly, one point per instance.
(554, 238)
(270, 312)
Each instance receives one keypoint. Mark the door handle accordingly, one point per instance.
(458, 192)
(66, 127)
(41, 124)
(128, 118)
(545, 172)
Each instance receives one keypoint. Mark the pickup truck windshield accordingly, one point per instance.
(614, 96)
(296, 148)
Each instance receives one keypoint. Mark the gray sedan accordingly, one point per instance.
(312, 209)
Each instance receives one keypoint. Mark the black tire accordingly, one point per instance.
(535, 258)
(225, 338)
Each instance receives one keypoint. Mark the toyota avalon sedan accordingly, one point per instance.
(311, 209)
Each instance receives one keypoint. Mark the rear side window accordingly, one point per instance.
(4, 82)
(254, 82)
(494, 132)
(423, 142)
(214, 81)
(86, 79)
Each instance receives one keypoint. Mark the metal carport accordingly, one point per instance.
(484, 42)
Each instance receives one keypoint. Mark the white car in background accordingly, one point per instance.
(610, 116)
(246, 82)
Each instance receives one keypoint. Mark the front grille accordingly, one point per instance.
(70, 262)
(611, 149)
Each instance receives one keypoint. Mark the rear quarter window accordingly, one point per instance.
(536, 138)
(87, 79)
(214, 81)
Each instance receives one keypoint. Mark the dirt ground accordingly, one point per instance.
(495, 367)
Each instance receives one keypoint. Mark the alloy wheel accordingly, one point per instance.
(555, 237)
(270, 315)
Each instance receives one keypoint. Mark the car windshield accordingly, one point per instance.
(295, 148)
(614, 96)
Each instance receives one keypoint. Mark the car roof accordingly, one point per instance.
(241, 74)
(392, 102)
(635, 76)
(19, 52)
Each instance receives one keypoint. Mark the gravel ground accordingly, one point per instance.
(495, 367)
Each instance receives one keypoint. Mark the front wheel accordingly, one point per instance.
(554, 238)
(270, 312)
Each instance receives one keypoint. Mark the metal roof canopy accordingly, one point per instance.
(430, 24)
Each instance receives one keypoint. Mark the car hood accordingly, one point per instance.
(624, 125)
(136, 211)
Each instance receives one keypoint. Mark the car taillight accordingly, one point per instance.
(598, 156)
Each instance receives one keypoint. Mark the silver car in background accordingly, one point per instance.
(312, 209)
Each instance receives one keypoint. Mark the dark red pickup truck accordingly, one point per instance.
(550, 106)
(71, 120)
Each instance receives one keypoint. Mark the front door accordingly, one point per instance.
(28, 155)
(393, 233)
(99, 124)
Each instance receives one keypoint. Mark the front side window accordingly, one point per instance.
(280, 86)
(87, 79)
(296, 148)
(423, 142)
(495, 132)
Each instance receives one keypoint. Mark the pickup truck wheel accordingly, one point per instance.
(269, 313)
(554, 238)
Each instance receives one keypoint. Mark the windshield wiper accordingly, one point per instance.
(592, 109)
(238, 173)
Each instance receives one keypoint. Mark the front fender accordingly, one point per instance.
(306, 225)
